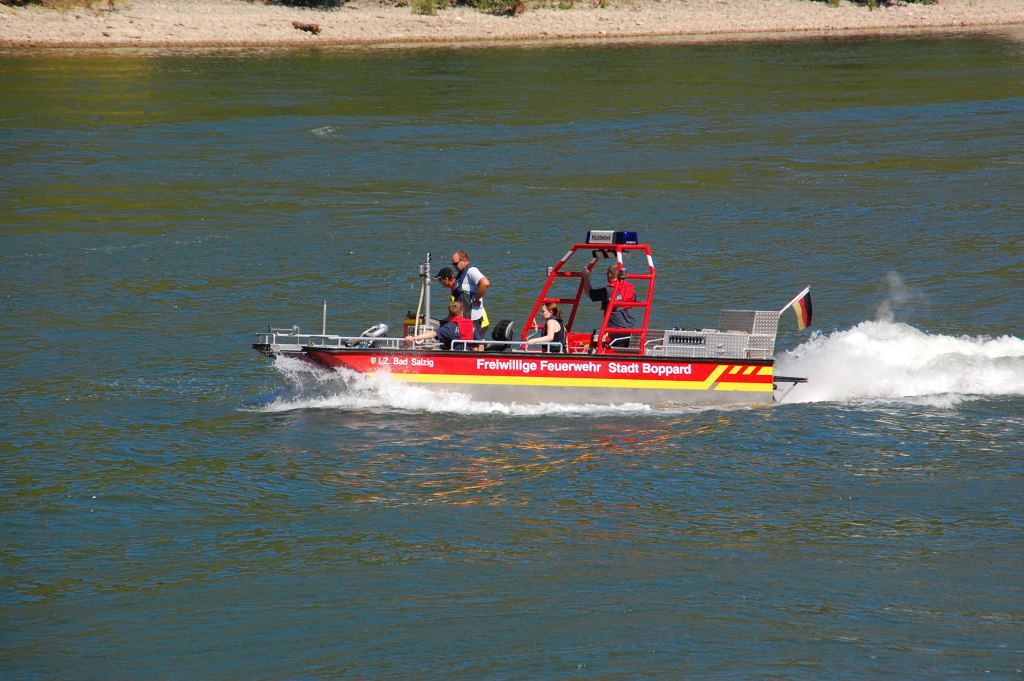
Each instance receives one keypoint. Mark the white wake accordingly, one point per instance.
(892, 360)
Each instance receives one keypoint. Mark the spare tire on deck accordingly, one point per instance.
(503, 331)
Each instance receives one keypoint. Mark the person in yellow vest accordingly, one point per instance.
(446, 277)
(470, 288)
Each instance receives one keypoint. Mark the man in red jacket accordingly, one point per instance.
(456, 327)
(621, 317)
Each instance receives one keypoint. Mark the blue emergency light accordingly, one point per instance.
(607, 236)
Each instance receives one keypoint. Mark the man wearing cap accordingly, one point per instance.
(446, 277)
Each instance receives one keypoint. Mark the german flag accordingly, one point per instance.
(802, 308)
(801, 305)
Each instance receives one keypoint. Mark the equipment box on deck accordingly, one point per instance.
(742, 334)
(704, 343)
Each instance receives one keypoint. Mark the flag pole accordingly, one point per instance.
(795, 298)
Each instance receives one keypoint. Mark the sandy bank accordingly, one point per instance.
(184, 23)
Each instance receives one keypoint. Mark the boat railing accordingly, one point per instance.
(506, 346)
(290, 339)
(283, 338)
(338, 342)
(683, 343)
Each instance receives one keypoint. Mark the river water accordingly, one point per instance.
(177, 507)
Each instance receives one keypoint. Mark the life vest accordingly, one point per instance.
(621, 317)
(466, 299)
(464, 291)
(462, 284)
(626, 294)
(466, 330)
(559, 337)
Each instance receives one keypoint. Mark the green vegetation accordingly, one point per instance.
(509, 7)
(314, 4)
(875, 4)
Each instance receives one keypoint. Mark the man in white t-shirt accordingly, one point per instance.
(470, 287)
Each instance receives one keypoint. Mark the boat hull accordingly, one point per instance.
(572, 379)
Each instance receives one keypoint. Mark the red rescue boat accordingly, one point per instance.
(731, 364)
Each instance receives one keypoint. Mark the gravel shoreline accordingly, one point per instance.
(366, 23)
